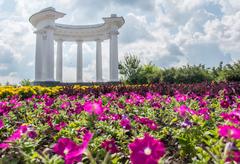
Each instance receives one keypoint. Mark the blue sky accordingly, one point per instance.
(166, 32)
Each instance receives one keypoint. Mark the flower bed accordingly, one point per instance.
(196, 123)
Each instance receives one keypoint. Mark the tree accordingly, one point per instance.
(130, 68)
(25, 82)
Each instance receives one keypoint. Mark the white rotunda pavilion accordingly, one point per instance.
(47, 31)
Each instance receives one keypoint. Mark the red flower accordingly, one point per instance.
(224, 104)
(146, 150)
(110, 146)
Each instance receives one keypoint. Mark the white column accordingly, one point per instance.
(99, 61)
(79, 62)
(59, 62)
(114, 55)
(38, 57)
(48, 54)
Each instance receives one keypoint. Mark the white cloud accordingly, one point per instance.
(169, 33)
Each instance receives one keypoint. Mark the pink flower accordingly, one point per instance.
(70, 151)
(233, 156)
(15, 136)
(60, 126)
(1, 124)
(180, 97)
(146, 150)
(182, 110)
(125, 123)
(110, 146)
(146, 121)
(65, 147)
(233, 116)
(204, 112)
(93, 108)
(65, 105)
(229, 131)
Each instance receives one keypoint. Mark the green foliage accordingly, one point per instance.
(191, 74)
(130, 68)
(135, 73)
(149, 73)
(231, 72)
(25, 82)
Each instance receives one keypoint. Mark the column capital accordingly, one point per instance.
(113, 32)
(49, 27)
(40, 31)
(79, 42)
(59, 40)
(98, 40)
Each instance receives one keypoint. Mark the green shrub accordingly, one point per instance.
(135, 73)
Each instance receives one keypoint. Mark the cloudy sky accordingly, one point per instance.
(166, 32)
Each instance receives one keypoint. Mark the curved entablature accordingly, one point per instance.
(46, 18)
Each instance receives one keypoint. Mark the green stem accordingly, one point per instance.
(210, 153)
(90, 157)
(106, 158)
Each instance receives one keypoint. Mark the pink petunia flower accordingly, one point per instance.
(229, 131)
(125, 123)
(17, 134)
(146, 121)
(146, 150)
(59, 126)
(110, 146)
(70, 151)
(233, 116)
(233, 156)
(93, 108)
(182, 110)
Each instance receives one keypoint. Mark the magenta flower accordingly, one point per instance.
(93, 108)
(70, 151)
(146, 150)
(65, 147)
(180, 97)
(32, 134)
(1, 124)
(224, 104)
(233, 156)
(204, 112)
(146, 121)
(15, 136)
(125, 123)
(65, 105)
(229, 131)
(60, 126)
(110, 146)
(233, 116)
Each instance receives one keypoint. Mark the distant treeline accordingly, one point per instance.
(133, 72)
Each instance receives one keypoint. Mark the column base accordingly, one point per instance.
(46, 83)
